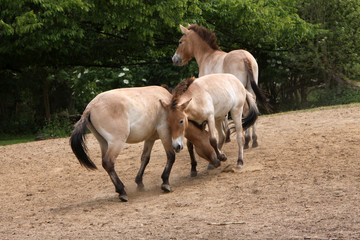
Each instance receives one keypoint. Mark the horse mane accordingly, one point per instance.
(207, 35)
(179, 90)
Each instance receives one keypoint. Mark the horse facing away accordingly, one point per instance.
(200, 43)
(210, 98)
(128, 115)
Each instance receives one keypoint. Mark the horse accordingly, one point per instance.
(197, 136)
(133, 115)
(209, 98)
(127, 115)
(200, 43)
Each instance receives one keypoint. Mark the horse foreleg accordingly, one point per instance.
(213, 142)
(190, 147)
(165, 186)
(165, 137)
(145, 158)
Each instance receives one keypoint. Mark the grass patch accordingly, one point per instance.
(14, 139)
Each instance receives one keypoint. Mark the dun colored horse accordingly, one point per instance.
(132, 115)
(128, 115)
(197, 136)
(210, 98)
(200, 43)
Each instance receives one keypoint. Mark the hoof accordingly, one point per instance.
(246, 146)
(210, 167)
(222, 157)
(123, 198)
(193, 174)
(141, 187)
(254, 145)
(217, 164)
(166, 188)
(239, 166)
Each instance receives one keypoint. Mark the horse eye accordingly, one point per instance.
(181, 121)
(180, 42)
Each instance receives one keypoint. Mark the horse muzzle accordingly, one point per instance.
(177, 60)
(177, 144)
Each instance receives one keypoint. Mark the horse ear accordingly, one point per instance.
(164, 104)
(184, 30)
(185, 104)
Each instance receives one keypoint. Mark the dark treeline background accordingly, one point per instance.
(55, 55)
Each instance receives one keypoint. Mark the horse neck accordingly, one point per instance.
(209, 61)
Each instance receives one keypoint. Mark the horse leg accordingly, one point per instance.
(227, 129)
(165, 137)
(108, 163)
(247, 132)
(145, 158)
(254, 137)
(237, 116)
(247, 138)
(220, 129)
(213, 142)
(190, 147)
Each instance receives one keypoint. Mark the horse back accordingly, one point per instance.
(131, 113)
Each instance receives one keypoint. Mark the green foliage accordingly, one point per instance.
(59, 126)
(57, 55)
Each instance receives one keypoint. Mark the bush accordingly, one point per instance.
(59, 126)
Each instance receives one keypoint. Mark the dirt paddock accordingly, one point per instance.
(302, 182)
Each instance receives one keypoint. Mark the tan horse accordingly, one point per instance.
(128, 115)
(200, 43)
(197, 136)
(210, 98)
(133, 115)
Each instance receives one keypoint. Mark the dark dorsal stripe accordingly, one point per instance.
(207, 35)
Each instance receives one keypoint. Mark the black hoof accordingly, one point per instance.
(166, 188)
(140, 187)
(222, 157)
(210, 167)
(123, 198)
(246, 146)
(254, 145)
(193, 174)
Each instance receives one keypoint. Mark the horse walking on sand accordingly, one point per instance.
(210, 98)
(131, 115)
(200, 43)
(197, 136)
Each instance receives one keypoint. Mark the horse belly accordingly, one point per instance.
(141, 131)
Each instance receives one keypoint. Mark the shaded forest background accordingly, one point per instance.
(55, 56)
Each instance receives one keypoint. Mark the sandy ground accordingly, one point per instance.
(302, 182)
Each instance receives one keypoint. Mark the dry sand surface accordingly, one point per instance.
(302, 182)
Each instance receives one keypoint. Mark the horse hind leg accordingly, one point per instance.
(247, 138)
(254, 137)
(108, 163)
(145, 158)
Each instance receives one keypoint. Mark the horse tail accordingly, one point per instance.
(253, 113)
(260, 96)
(78, 142)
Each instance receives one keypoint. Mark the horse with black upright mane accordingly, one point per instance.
(200, 43)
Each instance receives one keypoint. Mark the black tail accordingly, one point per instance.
(78, 143)
(260, 96)
(253, 113)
